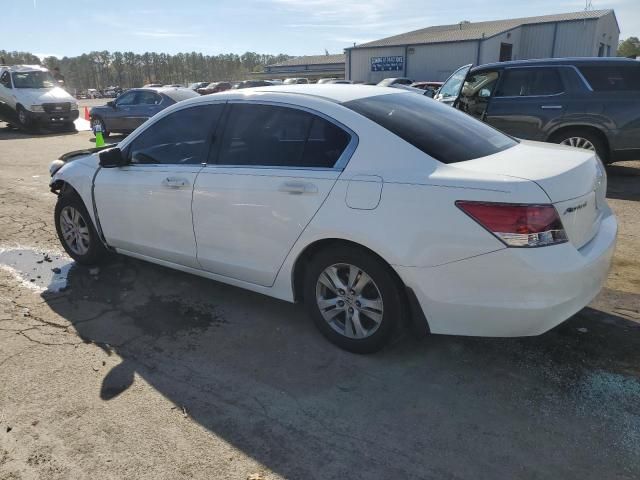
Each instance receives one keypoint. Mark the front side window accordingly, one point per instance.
(37, 79)
(274, 136)
(476, 91)
(179, 138)
(612, 77)
(442, 132)
(128, 98)
(479, 84)
(526, 82)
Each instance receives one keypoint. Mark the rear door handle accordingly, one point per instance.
(175, 182)
(551, 107)
(297, 188)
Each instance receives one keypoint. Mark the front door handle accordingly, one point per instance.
(551, 107)
(175, 182)
(297, 188)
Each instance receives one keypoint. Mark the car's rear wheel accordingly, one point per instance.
(585, 139)
(76, 231)
(353, 298)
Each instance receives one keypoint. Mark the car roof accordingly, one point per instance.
(338, 93)
(175, 93)
(25, 68)
(560, 61)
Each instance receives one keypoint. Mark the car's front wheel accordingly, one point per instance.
(76, 231)
(24, 121)
(353, 298)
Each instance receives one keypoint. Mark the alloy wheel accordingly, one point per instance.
(349, 300)
(75, 230)
(578, 142)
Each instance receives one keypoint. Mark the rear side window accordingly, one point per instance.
(612, 77)
(273, 136)
(177, 139)
(148, 98)
(526, 82)
(440, 131)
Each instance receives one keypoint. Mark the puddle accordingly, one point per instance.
(37, 269)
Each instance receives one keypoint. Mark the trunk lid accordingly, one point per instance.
(573, 179)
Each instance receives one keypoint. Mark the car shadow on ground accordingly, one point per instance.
(254, 371)
(11, 133)
(623, 181)
(113, 138)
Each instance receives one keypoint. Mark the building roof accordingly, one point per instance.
(311, 60)
(476, 30)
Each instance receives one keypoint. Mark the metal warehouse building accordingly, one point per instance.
(433, 53)
(310, 66)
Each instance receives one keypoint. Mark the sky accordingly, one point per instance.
(295, 27)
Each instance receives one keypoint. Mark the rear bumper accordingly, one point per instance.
(513, 292)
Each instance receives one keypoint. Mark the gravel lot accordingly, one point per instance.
(137, 371)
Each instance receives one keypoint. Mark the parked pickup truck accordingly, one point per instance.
(591, 103)
(30, 97)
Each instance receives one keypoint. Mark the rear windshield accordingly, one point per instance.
(612, 77)
(440, 131)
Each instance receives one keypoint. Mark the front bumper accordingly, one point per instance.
(43, 118)
(513, 292)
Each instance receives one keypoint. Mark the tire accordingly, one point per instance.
(368, 328)
(82, 244)
(69, 127)
(24, 122)
(580, 138)
(103, 126)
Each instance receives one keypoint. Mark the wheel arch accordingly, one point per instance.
(417, 320)
(584, 127)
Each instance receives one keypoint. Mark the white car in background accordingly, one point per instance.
(30, 97)
(369, 204)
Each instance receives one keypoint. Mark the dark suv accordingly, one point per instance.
(591, 103)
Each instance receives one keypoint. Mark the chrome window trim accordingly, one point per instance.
(340, 164)
(532, 96)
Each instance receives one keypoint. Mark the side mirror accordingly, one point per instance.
(484, 93)
(112, 158)
(112, 104)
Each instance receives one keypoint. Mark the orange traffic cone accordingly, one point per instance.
(86, 114)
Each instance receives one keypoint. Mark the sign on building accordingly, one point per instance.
(387, 64)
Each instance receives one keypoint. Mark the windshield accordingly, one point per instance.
(36, 79)
(442, 132)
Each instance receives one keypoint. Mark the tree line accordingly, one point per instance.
(127, 69)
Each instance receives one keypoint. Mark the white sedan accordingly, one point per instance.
(371, 205)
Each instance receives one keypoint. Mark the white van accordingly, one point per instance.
(31, 97)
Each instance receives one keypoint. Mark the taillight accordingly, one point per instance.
(517, 225)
